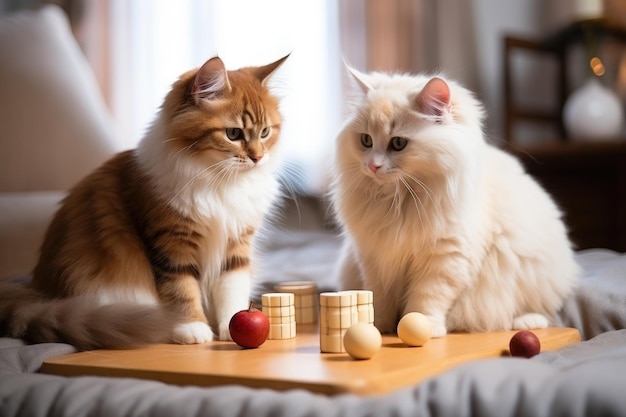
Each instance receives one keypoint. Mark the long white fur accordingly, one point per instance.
(229, 198)
(451, 226)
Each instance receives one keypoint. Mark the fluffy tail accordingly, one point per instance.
(81, 322)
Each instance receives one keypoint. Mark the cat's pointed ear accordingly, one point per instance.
(263, 73)
(211, 81)
(359, 77)
(434, 99)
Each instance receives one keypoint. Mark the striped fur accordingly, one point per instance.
(155, 245)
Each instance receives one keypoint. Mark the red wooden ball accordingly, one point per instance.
(524, 344)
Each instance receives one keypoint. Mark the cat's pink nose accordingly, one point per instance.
(256, 159)
(373, 167)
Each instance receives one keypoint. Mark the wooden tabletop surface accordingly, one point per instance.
(298, 363)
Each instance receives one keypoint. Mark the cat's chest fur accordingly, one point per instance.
(225, 213)
(222, 209)
(395, 239)
(230, 208)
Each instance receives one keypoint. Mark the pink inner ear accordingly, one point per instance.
(359, 78)
(211, 80)
(434, 99)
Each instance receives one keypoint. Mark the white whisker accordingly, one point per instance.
(422, 186)
(435, 206)
(184, 148)
(394, 200)
(413, 195)
(219, 167)
(291, 179)
(170, 139)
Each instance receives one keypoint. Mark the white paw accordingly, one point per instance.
(530, 321)
(192, 333)
(438, 326)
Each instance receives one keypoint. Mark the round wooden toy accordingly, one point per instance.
(414, 329)
(362, 340)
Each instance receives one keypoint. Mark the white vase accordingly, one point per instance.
(593, 112)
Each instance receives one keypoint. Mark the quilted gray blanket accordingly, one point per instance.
(586, 379)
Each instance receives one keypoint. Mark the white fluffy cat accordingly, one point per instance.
(437, 220)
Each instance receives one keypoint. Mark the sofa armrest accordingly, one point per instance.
(24, 218)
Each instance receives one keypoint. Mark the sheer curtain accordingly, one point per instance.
(150, 43)
(139, 47)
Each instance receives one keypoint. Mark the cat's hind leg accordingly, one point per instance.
(530, 321)
(181, 294)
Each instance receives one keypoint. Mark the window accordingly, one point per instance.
(153, 42)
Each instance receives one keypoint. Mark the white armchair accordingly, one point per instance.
(54, 128)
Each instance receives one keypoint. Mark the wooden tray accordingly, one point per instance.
(298, 363)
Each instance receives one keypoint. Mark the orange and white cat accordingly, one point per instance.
(156, 244)
(439, 221)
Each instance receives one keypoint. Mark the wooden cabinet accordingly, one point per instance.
(587, 179)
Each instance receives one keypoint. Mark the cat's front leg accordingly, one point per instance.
(433, 295)
(192, 333)
(230, 295)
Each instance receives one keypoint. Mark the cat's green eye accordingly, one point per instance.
(234, 133)
(366, 140)
(397, 143)
(266, 132)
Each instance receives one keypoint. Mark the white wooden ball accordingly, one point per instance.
(415, 329)
(362, 340)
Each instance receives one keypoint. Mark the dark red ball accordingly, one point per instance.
(524, 344)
